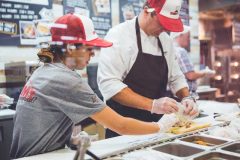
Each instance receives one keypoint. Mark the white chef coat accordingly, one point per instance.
(115, 62)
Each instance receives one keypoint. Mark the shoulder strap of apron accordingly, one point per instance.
(138, 36)
(160, 46)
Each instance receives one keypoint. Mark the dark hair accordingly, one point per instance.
(54, 53)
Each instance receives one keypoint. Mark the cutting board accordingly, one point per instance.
(194, 126)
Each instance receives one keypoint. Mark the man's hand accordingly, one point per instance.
(5, 101)
(208, 72)
(166, 122)
(191, 108)
(164, 105)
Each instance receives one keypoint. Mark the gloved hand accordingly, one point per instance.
(208, 72)
(191, 108)
(5, 101)
(166, 122)
(164, 105)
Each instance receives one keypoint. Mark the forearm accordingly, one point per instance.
(135, 127)
(194, 75)
(184, 92)
(130, 98)
(123, 125)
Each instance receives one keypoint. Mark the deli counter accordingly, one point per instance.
(220, 140)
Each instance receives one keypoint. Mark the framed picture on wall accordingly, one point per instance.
(17, 20)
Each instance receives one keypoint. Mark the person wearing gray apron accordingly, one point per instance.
(147, 77)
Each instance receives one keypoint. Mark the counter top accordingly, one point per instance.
(102, 148)
(206, 90)
(112, 146)
(6, 113)
(62, 154)
(211, 107)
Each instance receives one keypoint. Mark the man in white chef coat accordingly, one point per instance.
(133, 74)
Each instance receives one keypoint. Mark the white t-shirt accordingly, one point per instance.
(53, 99)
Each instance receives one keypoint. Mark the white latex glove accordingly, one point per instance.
(164, 105)
(191, 108)
(208, 72)
(166, 122)
(180, 114)
(5, 100)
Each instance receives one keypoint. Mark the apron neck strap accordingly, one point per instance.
(160, 45)
(138, 34)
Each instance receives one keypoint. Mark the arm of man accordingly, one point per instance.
(124, 125)
(186, 65)
(184, 92)
(130, 98)
(164, 105)
(194, 75)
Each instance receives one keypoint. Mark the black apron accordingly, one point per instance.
(147, 77)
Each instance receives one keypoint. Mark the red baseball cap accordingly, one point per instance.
(75, 28)
(168, 13)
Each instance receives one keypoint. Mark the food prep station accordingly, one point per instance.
(212, 148)
(195, 145)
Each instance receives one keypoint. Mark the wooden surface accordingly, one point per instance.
(193, 126)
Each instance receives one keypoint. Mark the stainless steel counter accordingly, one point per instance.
(116, 148)
(6, 113)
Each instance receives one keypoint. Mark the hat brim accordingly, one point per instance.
(172, 25)
(98, 42)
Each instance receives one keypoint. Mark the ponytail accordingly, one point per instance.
(54, 53)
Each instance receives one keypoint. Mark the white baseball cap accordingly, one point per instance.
(168, 13)
(76, 28)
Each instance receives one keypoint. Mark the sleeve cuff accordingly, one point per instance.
(176, 87)
(113, 90)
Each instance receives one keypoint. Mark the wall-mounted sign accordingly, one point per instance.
(17, 21)
(128, 9)
(98, 10)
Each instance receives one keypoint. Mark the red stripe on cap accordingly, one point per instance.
(74, 28)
